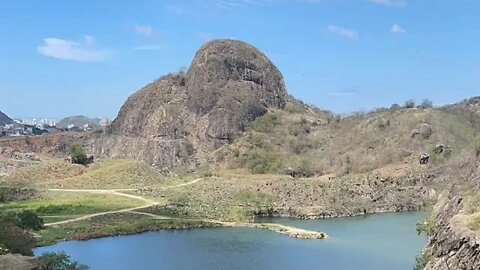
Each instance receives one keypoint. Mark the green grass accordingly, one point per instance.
(68, 203)
(474, 222)
(112, 173)
(118, 172)
(115, 224)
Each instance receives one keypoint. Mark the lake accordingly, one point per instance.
(374, 242)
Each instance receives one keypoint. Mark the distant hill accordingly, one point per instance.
(101, 121)
(78, 121)
(4, 119)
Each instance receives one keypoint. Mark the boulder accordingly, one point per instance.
(423, 130)
(424, 158)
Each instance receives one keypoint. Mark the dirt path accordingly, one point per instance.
(282, 229)
(117, 192)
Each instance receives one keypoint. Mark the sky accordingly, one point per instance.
(60, 58)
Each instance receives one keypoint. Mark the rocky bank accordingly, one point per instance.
(452, 245)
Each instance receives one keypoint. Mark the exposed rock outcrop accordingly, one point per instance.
(4, 119)
(452, 244)
(454, 240)
(18, 262)
(182, 118)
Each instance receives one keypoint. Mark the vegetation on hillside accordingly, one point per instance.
(78, 154)
(316, 142)
(59, 261)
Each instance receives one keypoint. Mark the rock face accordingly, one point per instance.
(452, 245)
(4, 119)
(233, 83)
(182, 117)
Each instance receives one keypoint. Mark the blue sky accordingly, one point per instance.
(61, 58)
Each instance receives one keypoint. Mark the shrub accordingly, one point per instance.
(77, 154)
(266, 123)
(29, 220)
(426, 104)
(261, 162)
(410, 104)
(395, 107)
(477, 147)
(422, 260)
(13, 238)
(427, 226)
(59, 261)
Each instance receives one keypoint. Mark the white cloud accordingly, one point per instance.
(342, 31)
(393, 3)
(146, 30)
(397, 29)
(84, 51)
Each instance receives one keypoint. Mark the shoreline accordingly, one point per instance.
(188, 224)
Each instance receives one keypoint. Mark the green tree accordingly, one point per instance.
(36, 131)
(59, 261)
(13, 238)
(410, 104)
(77, 154)
(426, 103)
(29, 220)
(395, 107)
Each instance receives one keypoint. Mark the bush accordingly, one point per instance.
(29, 220)
(427, 226)
(426, 104)
(477, 147)
(395, 107)
(261, 163)
(422, 260)
(410, 104)
(266, 123)
(13, 238)
(59, 261)
(77, 154)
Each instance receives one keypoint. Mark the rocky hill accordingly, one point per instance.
(77, 121)
(4, 119)
(180, 119)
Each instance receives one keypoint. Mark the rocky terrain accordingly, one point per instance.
(180, 119)
(452, 244)
(4, 119)
(18, 262)
(453, 228)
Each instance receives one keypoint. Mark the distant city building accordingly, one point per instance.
(50, 122)
(38, 123)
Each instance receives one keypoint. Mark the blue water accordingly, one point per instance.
(375, 242)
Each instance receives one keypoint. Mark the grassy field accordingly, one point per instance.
(115, 224)
(104, 174)
(66, 204)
